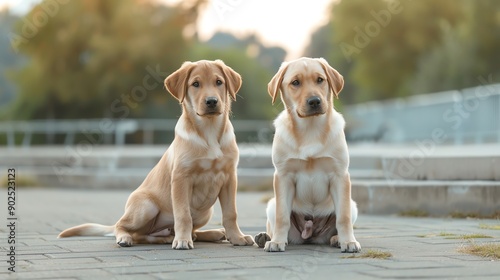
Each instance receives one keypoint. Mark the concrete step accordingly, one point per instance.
(438, 167)
(432, 196)
(423, 160)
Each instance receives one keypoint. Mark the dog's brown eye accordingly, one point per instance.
(195, 84)
(218, 82)
(295, 82)
(320, 80)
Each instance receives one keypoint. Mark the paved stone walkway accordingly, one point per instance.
(418, 246)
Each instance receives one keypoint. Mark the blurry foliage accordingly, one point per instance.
(95, 59)
(87, 59)
(421, 46)
(7, 58)
(468, 51)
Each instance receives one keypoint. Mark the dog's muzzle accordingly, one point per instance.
(212, 107)
(313, 107)
(314, 103)
(211, 102)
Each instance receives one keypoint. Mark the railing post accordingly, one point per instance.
(148, 136)
(27, 139)
(11, 138)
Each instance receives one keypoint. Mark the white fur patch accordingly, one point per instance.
(193, 138)
(312, 194)
(220, 164)
(205, 164)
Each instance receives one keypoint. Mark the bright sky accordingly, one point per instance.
(284, 23)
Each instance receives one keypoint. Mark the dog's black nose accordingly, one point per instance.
(314, 102)
(211, 102)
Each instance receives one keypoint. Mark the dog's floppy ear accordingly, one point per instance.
(176, 83)
(233, 79)
(335, 80)
(275, 84)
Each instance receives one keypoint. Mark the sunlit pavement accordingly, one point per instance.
(420, 247)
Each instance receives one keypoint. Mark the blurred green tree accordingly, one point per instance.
(7, 59)
(377, 44)
(99, 58)
(468, 53)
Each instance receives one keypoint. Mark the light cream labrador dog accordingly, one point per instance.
(177, 196)
(312, 187)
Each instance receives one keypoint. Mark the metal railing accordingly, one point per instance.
(110, 131)
(466, 116)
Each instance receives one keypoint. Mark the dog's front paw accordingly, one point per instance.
(242, 240)
(261, 239)
(350, 247)
(182, 244)
(272, 246)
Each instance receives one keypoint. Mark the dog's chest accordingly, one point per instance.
(217, 164)
(312, 179)
(208, 180)
(212, 171)
(210, 165)
(206, 188)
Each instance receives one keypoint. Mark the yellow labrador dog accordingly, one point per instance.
(312, 187)
(178, 195)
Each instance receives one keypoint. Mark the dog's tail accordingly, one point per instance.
(88, 230)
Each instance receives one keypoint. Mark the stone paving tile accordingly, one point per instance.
(33, 257)
(167, 254)
(77, 255)
(120, 277)
(438, 272)
(127, 259)
(60, 273)
(171, 268)
(47, 250)
(425, 264)
(251, 273)
(55, 266)
(47, 261)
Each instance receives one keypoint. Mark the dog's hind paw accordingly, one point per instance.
(124, 244)
(243, 240)
(334, 241)
(125, 241)
(261, 239)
